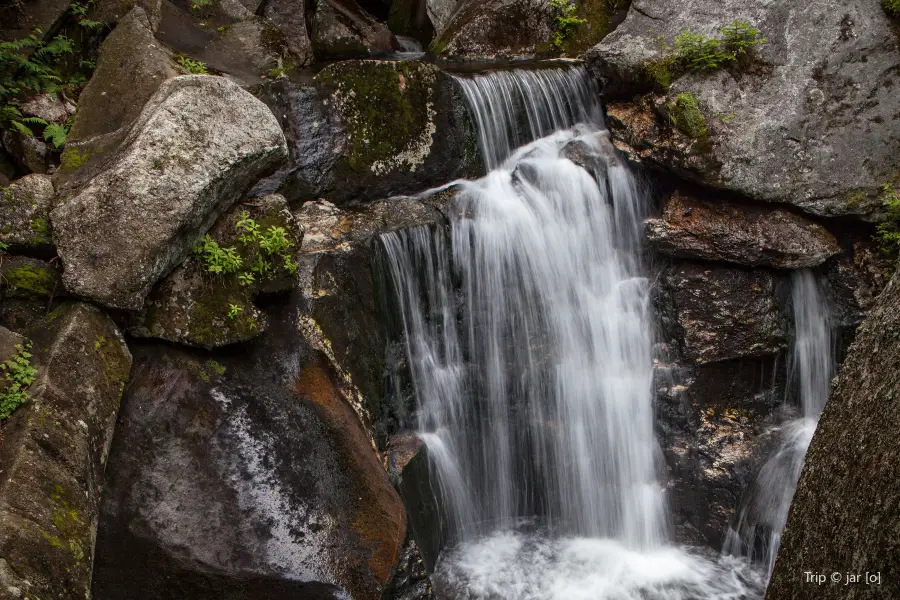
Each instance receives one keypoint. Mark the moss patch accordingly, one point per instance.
(388, 110)
(687, 117)
(30, 279)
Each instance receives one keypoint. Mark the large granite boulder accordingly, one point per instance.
(25, 214)
(366, 130)
(199, 145)
(745, 234)
(53, 453)
(844, 512)
(244, 475)
(809, 123)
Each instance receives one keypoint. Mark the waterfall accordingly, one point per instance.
(528, 336)
(764, 509)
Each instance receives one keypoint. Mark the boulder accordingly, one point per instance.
(366, 130)
(22, 18)
(745, 234)
(724, 313)
(25, 214)
(855, 279)
(28, 153)
(808, 123)
(199, 145)
(244, 475)
(53, 452)
(514, 29)
(131, 68)
(844, 511)
(194, 307)
(342, 29)
(52, 108)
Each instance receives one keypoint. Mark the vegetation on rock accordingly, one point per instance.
(694, 52)
(192, 66)
(18, 375)
(891, 7)
(567, 22)
(686, 116)
(889, 230)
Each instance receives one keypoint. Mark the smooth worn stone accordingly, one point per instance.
(199, 145)
(342, 29)
(754, 236)
(809, 122)
(53, 454)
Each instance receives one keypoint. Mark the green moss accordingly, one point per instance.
(891, 7)
(70, 529)
(203, 372)
(30, 280)
(687, 117)
(387, 110)
(41, 227)
(215, 367)
(72, 159)
(661, 72)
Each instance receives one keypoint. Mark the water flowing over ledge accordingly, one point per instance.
(528, 333)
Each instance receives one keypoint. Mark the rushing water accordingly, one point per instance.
(529, 342)
(764, 509)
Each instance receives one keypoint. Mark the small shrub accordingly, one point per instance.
(891, 7)
(686, 116)
(889, 230)
(566, 22)
(234, 310)
(216, 259)
(18, 375)
(192, 66)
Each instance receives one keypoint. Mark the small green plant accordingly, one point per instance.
(18, 375)
(888, 233)
(696, 52)
(891, 7)
(202, 8)
(192, 66)
(217, 259)
(687, 117)
(234, 311)
(79, 11)
(566, 22)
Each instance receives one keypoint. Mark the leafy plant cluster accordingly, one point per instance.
(888, 232)
(18, 375)
(192, 66)
(259, 254)
(891, 7)
(694, 52)
(566, 22)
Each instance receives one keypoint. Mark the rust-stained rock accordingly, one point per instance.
(745, 234)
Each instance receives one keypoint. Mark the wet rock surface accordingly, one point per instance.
(810, 124)
(199, 144)
(242, 473)
(342, 29)
(845, 506)
(53, 452)
(748, 235)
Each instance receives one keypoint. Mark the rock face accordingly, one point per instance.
(811, 124)
(342, 29)
(848, 485)
(378, 128)
(291, 17)
(739, 233)
(725, 313)
(24, 214)
(248, 475)
(53, 453)
(512, 29)
(199, 144)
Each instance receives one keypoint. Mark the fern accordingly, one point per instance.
(18, 375)
(56, 134)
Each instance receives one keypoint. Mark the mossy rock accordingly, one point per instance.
(24, 214)
(23, 277)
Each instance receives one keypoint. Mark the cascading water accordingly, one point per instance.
(529, 342)
(764, 509)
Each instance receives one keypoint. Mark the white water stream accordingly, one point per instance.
(529, 340)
